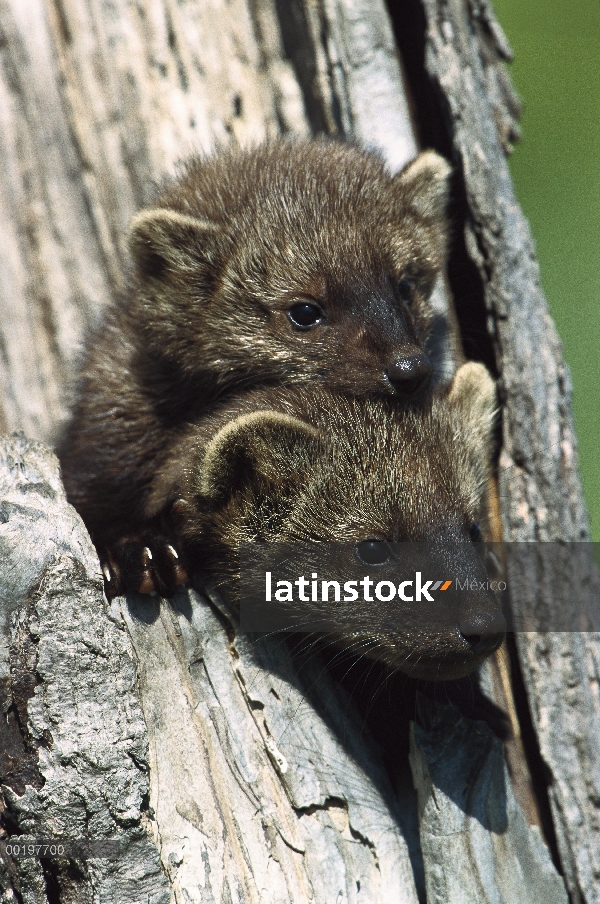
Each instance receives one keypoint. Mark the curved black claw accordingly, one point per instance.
(145, 564)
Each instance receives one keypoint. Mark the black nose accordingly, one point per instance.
(409, 373)
(484, 632)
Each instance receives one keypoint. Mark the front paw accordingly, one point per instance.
(142, 564)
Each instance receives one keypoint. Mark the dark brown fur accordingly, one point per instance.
(230, 245)
(299, 466)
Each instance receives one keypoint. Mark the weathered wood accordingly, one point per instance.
(252, 795)
(468, 814)
(225, 770)
(251, 789)
(98, 99)
(73, 743)
(541, 495)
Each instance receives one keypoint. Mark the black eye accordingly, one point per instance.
(373, 552)
(406, 290)
(475, 533)
(305, 315)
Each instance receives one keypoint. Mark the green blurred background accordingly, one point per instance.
(556, 169)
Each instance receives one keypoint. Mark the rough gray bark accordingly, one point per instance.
(469, 819)
(73, 742)
(541, 497)
(226, 773)
(250, 787)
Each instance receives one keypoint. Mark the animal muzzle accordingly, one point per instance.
(483, 631)
(409, 373)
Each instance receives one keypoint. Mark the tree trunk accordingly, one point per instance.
(221, 769)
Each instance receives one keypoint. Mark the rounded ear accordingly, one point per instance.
(473, 393)
(262, 449)
(425, 184)
(163, 241)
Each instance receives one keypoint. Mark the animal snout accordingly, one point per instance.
(483, 631)
(409, 373)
